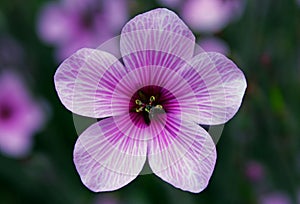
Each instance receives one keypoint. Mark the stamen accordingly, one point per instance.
(152, 98)
(159, 106)
(139, 109)
(138, 102)
(146, 107)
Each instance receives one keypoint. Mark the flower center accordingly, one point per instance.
(87, 20)
(146, 104)
(87, 17)
(5, 112)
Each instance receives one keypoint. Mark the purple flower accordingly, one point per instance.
(254, 171)
(73, 24)
(20, 116)
(275, 198)
(210, 15)
(153, 104)
(212, 44)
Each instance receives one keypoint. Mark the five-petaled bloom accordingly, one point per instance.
(152, 104)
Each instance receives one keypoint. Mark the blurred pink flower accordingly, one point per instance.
(254, 171)
(73, 24)
(211, 15)
(213, 44)
(275, 198)
(20, 116)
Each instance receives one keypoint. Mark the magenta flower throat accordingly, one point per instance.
(152, 104)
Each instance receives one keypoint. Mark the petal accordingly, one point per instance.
(218, 84)
(157, 37)
(183, 156)
(86, 80)
(106, 158)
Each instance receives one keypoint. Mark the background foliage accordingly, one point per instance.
(264, 42)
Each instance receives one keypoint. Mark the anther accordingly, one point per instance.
(152, 98)
(147, 107)
(138, 102)
(139, 109)
(159, 106)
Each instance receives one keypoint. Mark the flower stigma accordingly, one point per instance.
(149, 104)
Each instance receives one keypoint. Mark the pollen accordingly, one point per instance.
(152, 98)
(159, 106)
(138, 102)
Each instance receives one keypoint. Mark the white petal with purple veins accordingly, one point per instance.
(85, 82)
(218, 84)
(157, 37)
(184, 157)
(106, 159)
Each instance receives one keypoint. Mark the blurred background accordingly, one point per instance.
(258, 153)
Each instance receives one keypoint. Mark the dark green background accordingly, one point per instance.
(264, 42)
